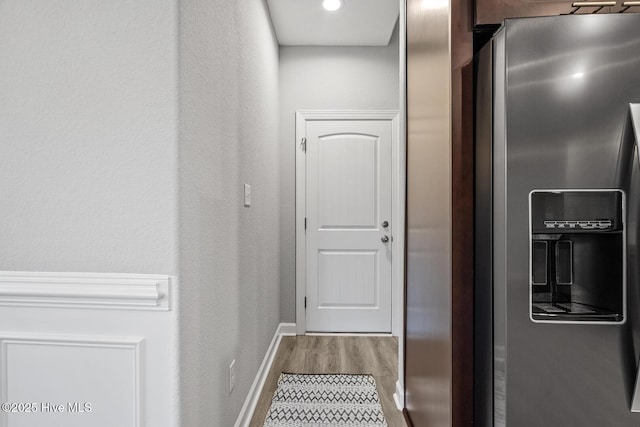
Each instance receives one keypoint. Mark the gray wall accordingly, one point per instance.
(88, 172)
(126, 132)
(362, 78)
(229, 266)
(88, 135)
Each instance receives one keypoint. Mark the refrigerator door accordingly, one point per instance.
(633, 129)
(566, 83)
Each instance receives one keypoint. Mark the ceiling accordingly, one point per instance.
(356, 23)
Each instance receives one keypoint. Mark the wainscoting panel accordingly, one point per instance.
(71, 381)
(88, 349)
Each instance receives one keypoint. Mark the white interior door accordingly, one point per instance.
(348, 234)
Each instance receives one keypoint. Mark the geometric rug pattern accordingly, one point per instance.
(326, 400)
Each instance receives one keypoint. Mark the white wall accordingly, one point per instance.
(229, 259)
(88, 183)
(364, 78)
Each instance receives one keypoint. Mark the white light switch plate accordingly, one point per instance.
(247, 195)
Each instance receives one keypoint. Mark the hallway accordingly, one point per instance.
(310, 354)
(148, 174)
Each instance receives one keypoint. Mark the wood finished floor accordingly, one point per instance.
(377, 356)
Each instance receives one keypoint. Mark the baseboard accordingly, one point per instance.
(287, 329)
(398, 396)
(347, 334)
(249, 406)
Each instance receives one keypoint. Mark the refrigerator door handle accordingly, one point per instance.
(635, 121)
(635, 403)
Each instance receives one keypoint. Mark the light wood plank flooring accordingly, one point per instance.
(377, 356)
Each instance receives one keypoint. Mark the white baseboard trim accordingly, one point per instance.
(346, 334)
(246, 413)
(287, 329)
(398, 396)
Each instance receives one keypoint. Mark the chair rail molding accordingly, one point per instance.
(86, 290)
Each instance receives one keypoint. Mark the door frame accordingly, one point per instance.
(397, 207)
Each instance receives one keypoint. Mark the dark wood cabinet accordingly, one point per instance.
(495, 11)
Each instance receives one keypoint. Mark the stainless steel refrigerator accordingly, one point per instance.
(557, 300)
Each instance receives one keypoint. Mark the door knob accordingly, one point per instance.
(385, 224)
(385, 239)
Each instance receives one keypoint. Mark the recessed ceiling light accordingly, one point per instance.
(332, 5)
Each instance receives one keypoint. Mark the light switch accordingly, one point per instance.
(247, 195)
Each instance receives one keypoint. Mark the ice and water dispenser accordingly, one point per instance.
(577, 256)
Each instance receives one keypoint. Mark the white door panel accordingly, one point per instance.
(347, 279)
(347, 181)
(348, 196)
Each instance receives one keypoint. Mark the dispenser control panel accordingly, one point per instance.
(583, 225)
(577, 256)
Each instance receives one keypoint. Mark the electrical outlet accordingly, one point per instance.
(232, 375)
(247, 195)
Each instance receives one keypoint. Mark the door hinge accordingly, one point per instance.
(305, 302)
(305, 224)
(303, 144)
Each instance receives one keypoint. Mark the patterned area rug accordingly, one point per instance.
(307, 400)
